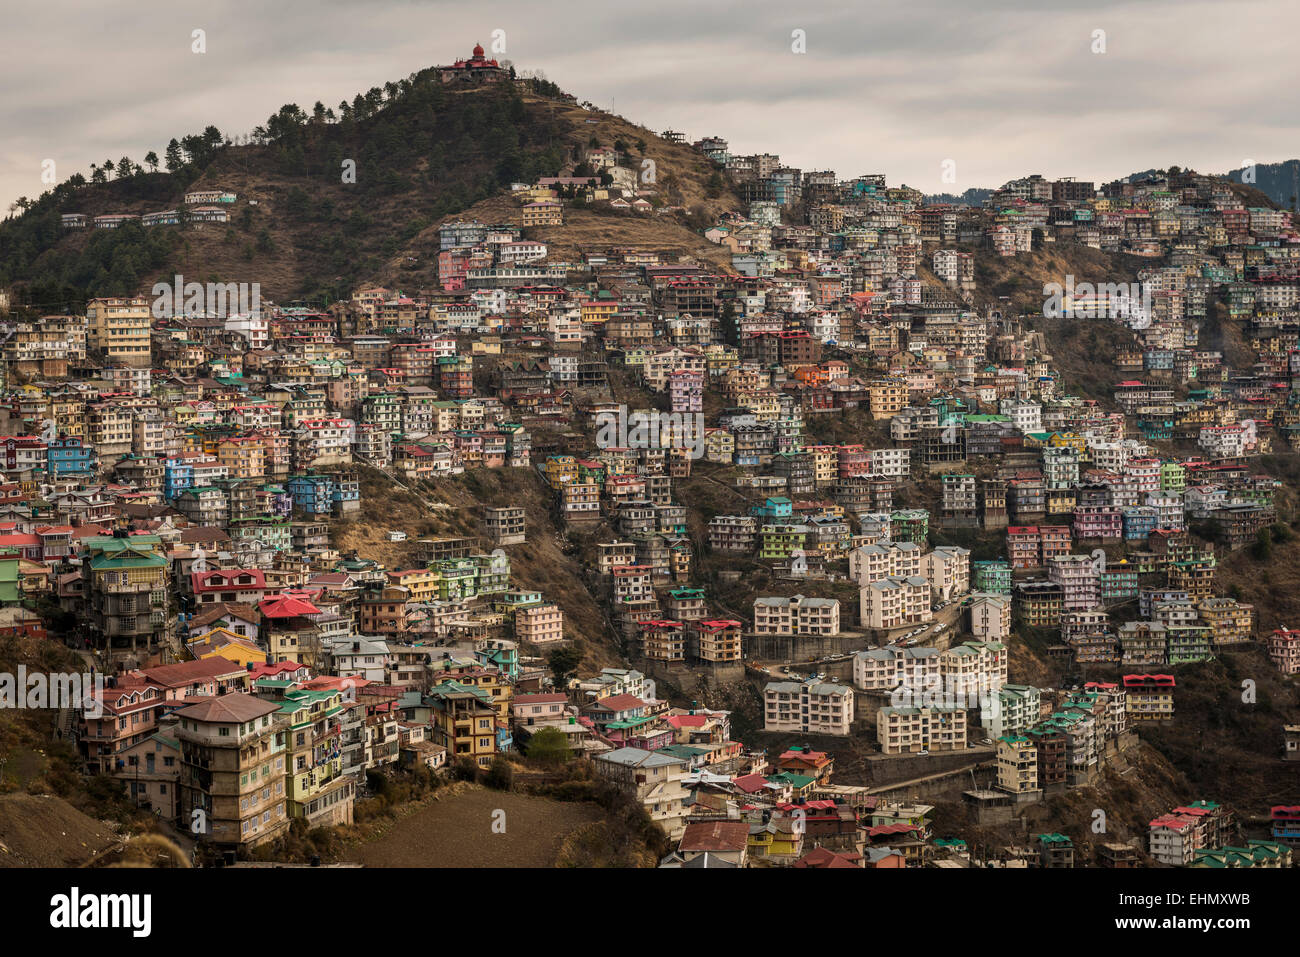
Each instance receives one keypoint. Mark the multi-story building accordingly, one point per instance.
(1017, 764)
(717, 639)
(464, 721)
(737, 534)
(1017, 710)
(318, 790)
(796, 616)
(947, 569)
(893, 602)
(884, 669)
(871, 563)
(119, 328)
(1150, 697)
(1284, 650)
(921, 730)
(539, 624)
(1078, 577)
(125, 581)
(655, 778)
(991, 577)
(232, 776)
(810, 707)
(990, 616)
(504, 526)
(1039, 603)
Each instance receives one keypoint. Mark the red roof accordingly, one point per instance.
(887, 829)
(822, 857)
(273, 671)
(286, 607)
(1141, 681)
(686, 720)
(189, 672)
(621, 702)
(750, 783)
(715, 836)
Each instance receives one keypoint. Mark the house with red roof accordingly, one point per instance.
(759, 786)
(477, 68)
(804, 760)
(726, 840)
(619, 707)
(243, 585)
(825, 858)
(284, 671)
(128, 710)
(289, 631)
(205, 677)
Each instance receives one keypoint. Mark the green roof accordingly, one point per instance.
(797, 781)
(132, 560)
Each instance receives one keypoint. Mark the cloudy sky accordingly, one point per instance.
(999, 87)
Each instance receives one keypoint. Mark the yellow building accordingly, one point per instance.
(243, 456)
(1231, 621)
(422, 582)
(120, 329)
(779, 841)
(224, 643)
(500, 692)
(598, 310)
(1067, 440)
(318, 790)
(887, 397)
(561, 470)
(544, 213)
(464, 722)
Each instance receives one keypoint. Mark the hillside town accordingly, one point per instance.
(849, 540)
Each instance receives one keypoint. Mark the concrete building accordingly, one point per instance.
(232, 779)
(921, 730)
(808, 706)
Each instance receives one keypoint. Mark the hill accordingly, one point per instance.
(549, 560)
(1277, 181)
(422, 152)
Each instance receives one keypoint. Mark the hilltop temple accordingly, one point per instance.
(477, 69)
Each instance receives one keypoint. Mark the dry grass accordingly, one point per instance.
(457, 831)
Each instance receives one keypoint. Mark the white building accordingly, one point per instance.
(796, 616)
(812, 707)
(895, 602)
(947, 569)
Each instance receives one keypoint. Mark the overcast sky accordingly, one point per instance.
(1000, 87)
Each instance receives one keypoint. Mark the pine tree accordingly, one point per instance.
(728, 327)
(175, 159)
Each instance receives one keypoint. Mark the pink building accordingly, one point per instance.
(1284, 649)
(539, 624)
(1104, 522)
(686, 390)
